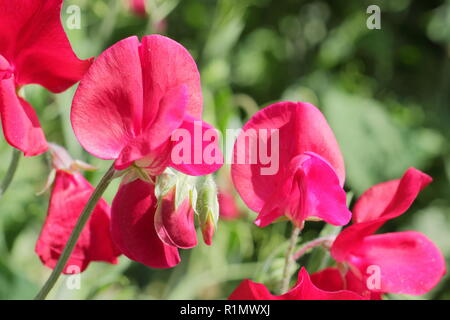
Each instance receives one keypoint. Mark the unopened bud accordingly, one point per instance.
(207, 207)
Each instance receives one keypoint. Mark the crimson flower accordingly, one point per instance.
(70, 193)
(305, 289)
(308, 182)
(408, 262)
(33, 49)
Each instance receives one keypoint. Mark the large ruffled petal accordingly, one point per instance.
(70, 194)
(154, 142)
(303, 290)
(34, 40)
(133, 228)
(409, 262)
(107, 107)
(299, 127)
(20, 123)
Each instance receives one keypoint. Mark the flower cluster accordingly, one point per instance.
(137, 104)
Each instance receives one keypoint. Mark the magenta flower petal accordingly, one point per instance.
(166, 64)
(133, 98)
(310, 178)
(202, 140)
(70, 194)
(133, 228)
(377, 205)
(300, 128)
(153, 145)
(409, 262)
(303, 290)
(249, 290)
(34, 40)
(107, 107)
(175, 226)
(390, 199)
(20, 123)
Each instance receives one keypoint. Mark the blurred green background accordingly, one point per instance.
(384, 92)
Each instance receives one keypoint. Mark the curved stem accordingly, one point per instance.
(288, 260)
(70, 245)
(322, 241)
(10, 172)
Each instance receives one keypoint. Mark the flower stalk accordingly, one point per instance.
(82, 220)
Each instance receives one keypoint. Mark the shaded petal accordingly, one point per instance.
(409, 262)
(314, 191)
(133, 229)
(70, 194)
(107, 107)
(201, 143)
(301, 127)
(34, 40)
(20, 123)
(175, 226)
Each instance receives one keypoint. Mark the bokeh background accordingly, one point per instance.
(384, 92)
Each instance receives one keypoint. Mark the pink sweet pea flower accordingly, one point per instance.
(138, 7)
(33, 49)
(408, 262)
(135, 99)
(310, 174)
(138, 231)
(303, 290)
(69, 195)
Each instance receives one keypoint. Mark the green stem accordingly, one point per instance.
(70, 245)
(288, 261)
(11, 171)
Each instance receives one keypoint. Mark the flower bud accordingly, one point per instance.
(174, 218)
(207, 207)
